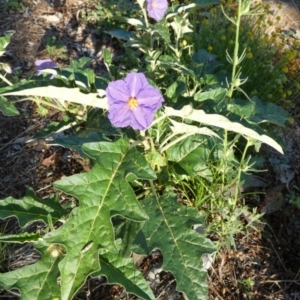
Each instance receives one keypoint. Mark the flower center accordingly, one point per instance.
(154, 4)
(132, 103)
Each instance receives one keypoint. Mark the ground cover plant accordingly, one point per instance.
(170, 141)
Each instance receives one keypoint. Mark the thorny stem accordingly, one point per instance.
(225, 143)
(240, 172)
(236, 50)
(153, 190)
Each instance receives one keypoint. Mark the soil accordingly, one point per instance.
(265, 263)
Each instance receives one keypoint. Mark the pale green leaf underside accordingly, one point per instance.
(63, 94)
(103, 193)
(187, 112)
(169, 229)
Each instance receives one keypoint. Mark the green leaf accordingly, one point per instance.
(206, 2)
(215, 94)
(191, 154)
(30, 208)
(4, 41)
(175, 89)
(122, 34)
(123, 271)
(7, 108)
(126, 231)
(37, 281)
(20, 238)
(187, 112)
(107, 56)
(103, 193)
(163, 32)
(81, 63)
(269, 112)
(240, 107)
(170, 229)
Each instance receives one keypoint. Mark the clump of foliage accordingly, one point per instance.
(270, 66)
(55, 48)
(170, 138)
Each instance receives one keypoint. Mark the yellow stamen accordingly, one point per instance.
(132, 103)
(154, 4)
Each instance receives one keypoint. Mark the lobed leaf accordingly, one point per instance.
(187, 112)
(30, 208)
(170, 229)
(123, 271)
(103, 193)
(37, 281)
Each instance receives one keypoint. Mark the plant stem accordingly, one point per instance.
(225, 144)
(236, 50)
(40, 101)
(153, 190)
(237, 187)
(5, 80)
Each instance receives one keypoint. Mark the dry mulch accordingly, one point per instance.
(265, 264)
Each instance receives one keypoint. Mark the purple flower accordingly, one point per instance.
(8, 69)
(42, 64)
(157, 8)
(132, 101)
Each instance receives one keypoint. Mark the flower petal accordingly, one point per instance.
(120, 115)
(41, 64)
(150, 97)
(157, 8)
(117, 91)
(135, 82)
(143, 118)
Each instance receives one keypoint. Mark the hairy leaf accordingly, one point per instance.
(30, 208)
(170, 229)
(63, 94)
(187, 112)
(191, 155)
(102, 193)
(37, 281)
(123, 271)
(7, 108)
(20, 238)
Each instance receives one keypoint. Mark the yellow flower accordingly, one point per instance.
(223, 37)
(289, 93)
(285, 70)
(279, 6)
(209, 48)
(249, 55)
(231, 42)
(278, 18)
(205, 22)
